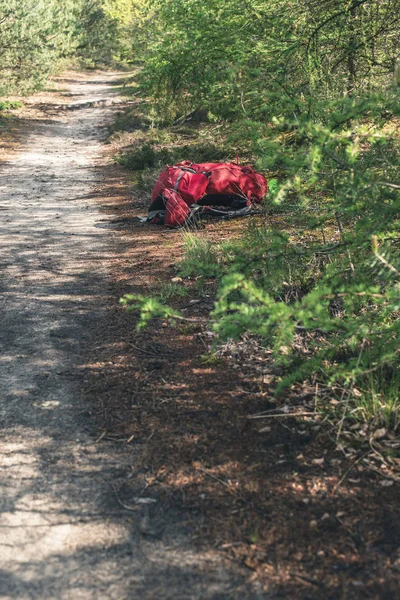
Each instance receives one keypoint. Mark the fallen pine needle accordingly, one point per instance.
(307, 579)
(353, 464)
(101, 437)
(303, 414)
(221, 481)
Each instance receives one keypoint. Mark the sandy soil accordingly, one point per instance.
(65, 532)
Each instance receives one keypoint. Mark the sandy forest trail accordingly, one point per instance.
(64, 535)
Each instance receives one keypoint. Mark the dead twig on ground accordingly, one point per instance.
(307, 579)
(143, 350)
(221, 481)
(346, 473)
(101, 437)
(118, 499)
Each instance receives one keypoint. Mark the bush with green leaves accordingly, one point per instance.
(10, 105)
(324, 293)
(105, 29)
(151, 153)
(345, 183)
(34, 36)
(248, 59)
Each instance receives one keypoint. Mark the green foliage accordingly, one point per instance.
(34, 35)
(104, 28)
(10, 104)
(149, 156)
(326, 297)
(200, 257)
(148, 308)
(170, 291)
(248, 60)
(308, 91)
(378, 399)
(144, 157)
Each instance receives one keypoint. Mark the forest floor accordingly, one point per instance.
(133, 468)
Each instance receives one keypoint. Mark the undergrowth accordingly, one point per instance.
(316, 278)
(10, 104)
(171, 291)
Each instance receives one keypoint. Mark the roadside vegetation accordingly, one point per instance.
(39, 37)
(309, 92)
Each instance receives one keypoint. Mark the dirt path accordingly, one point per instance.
(64, 531)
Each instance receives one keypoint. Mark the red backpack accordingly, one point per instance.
(187, 188)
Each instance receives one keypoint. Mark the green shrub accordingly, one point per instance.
(144, 157)
(311, 97)
(147, 156)
(34, 37)
(10, 104)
